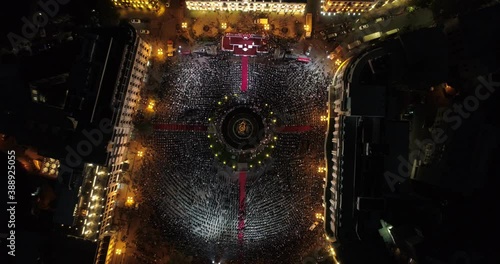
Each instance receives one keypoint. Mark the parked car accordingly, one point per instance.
(144, 31)
(363, 26)
(333, 35)
(170, 48)
(380, 19)
(329, 31)
(308, 51)
(354, 44)
(135, 21)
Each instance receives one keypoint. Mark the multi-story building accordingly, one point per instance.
(132, 73)
(76, 110)
(244, 44)
(152, 5)
(333, 7)
(116, 64)
(281, 6)
(364, 139)
(106, 249)
(368, 140)
(73, 107)
(91, 201)
(117, 60)
(368, 147)
(70, 107)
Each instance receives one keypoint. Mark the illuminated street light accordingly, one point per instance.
(160, 52)
(151, 106)
(338, 62)
(130, 201)
(266, 27)
(323, 118)
(184, 25)
(319, 216)
(118, 251)
(140, 154)
(332, 251)
(223, 25)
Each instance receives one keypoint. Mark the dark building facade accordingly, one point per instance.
(374, 192)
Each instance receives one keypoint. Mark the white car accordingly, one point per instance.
(333, 35)
(363, 26)
(380, 19)
(135, 21)
(144, 31)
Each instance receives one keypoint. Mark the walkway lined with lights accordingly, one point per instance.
(180, 127)
(244, 73)
(242, 174)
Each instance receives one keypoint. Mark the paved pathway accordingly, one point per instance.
(241, 213)
(244, 74)
(180, 127)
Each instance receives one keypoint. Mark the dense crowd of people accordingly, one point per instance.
(196, 196)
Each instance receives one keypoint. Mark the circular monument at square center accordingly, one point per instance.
(242, 128)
